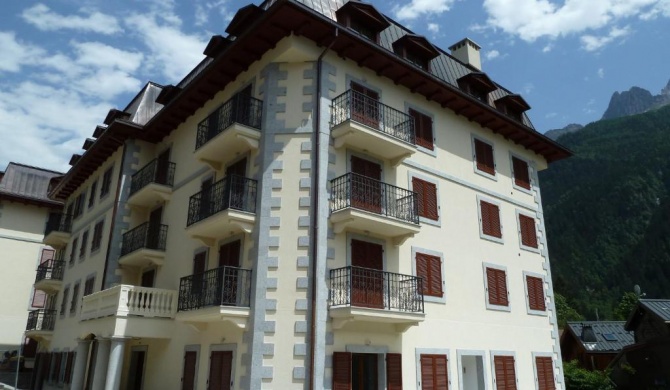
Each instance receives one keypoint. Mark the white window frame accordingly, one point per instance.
(490, 306)
(430, 298)
(518, 227)
(544, 292)
(487, 175)
(483, 236)
(431, 351)
(410, 176)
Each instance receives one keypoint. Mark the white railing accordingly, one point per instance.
(126, 300)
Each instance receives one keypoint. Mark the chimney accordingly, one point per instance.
(588, 335)
(468, 52)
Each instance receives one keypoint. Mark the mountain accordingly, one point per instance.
(555, 133)
(635, 101)
(607, 211)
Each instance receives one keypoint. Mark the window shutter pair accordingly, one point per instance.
(497, 285)
(535, 287)
(220, 368)
(426, 198)
(521, 174)
(423, 128)
(528, 233)
(490, 219)
(430, 269)
(505, 374)
(484, 157)
(434, 373)
(545, 373)
(342, 371)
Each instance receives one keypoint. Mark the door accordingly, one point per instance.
(220, 370)
(148, 278)
(366, 191)
(236, 176)
(198, 290)
(136, 372)
(154, 230)
(364, 105)
(163, 167)
(228, 273)
(367, 276)
(188, 376)
(364, 371)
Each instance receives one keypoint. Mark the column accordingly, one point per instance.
(115, 365)
(101, 362)
(80, 359)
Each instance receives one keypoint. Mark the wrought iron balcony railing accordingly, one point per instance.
(240, 109)
(232, 192)
(223, 286)
(368, 111)
(50, 270)
(42, 319)
(364, 193)
(58, 222)
(375, 289)
(146, 236)
(159, 172)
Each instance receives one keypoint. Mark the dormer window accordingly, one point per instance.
(477, 85)
(513, 106)
(362, 18)
(416, 50)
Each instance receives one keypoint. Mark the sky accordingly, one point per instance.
(65, 63)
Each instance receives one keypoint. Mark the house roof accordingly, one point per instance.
(610, 335)
(659, 308)
(28, 184)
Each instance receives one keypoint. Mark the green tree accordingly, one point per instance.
(577, 378)
(626, 306)
(565, 312)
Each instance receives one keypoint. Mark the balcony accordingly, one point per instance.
(152, 184)
(50, 276)
(364, 204)
(226, 207)
(360, 122)
(222, 293)
(58, 229)
(144, 245)
(373, 296)
(131, 311)
(40, 325)
(231, 130)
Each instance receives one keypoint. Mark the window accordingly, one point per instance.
(97, 236)
(426, 198)
(88, 286)
(73, 253)
(84, 241)
(423, 128)
(527, 231)
(348, 370)
(73, 302)
(434, 373)
(430, 269)
(39, 298)
(106, 182)
(521, 173)
(484, 157)
(496, 284)
(91, 196)
(544, 369)
(504, 372)
(535, 291)
(490, 219)
(79, 204)
(63, 303)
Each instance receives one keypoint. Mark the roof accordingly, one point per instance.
(29, 184)
(659, 308)
(610, 335)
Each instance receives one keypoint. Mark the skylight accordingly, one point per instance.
(610, 337)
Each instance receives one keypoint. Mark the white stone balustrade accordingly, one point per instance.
(126, 300)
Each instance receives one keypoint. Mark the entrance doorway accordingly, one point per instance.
(138, 357)
(364, 371)
(472, 372)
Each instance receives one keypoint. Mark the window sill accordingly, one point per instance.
(529, 248)
(492, 307)
(487, 175)
(491, 238)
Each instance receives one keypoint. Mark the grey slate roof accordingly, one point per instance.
(660, 307)
(600, 328)
(27, 182)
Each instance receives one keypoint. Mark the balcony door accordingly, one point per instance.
(228, 272)
(163, 167)
(242, 106)
(367, 276)
(198, 280)
(236, 174)
(154, 231)
(364, 105)
(366, 191)
(206, 195)
(220, 370)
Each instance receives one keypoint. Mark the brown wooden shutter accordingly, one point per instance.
(502, 287)
(188, 379)
(528, 233)
(521, 175)
(430, 269)
(504, 370)
(545, 373)
(56, 368)
(490, 219)
(497, 285)
(341, 370)
(394, 371)
(220, 367)
(68, 367)
(423, 128)
(434, 373)
(535, 288)
(484, 157)
(426, 198)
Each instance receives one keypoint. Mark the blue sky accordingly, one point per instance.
(65, 63)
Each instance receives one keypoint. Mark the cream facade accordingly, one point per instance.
(289, 218)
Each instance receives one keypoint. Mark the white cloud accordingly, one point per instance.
(204, 9)
(551, 115)
(534, 19)
(528, 88)
(601, 73)
(416, 8)
(45, 19)
(434, 28)
(594, 43)
(491, 54)
(16, 53)
(100, 55)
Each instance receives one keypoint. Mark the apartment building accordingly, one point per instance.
(326, 201)
(24, 207)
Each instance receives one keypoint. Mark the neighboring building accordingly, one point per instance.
(325, 201)
(594, 343)
(645, 364)
(24, 207)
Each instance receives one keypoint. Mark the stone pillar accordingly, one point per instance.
(79, 370)
(115, 365)
(101, 361)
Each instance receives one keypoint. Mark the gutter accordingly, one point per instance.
(315, 209)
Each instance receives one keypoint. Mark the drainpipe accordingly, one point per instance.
(315, 209)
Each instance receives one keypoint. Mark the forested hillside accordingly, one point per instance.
(608, 213)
